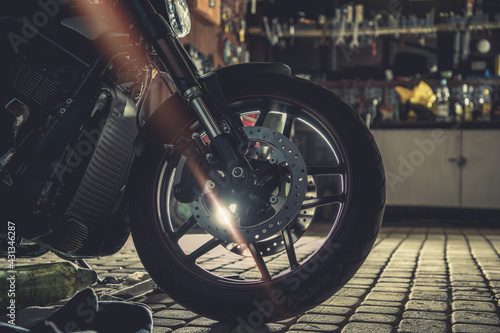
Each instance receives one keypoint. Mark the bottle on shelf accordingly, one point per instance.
(443, 102)
(468, 103)
(42, 284)
(484, 101)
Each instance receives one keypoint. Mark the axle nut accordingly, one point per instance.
(238, 172)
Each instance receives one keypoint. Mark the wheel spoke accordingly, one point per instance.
(287, 129)
(323, 170)
(290, 248)
(259, 260)
(322, 201)
(264, 111)
(188, 225)
(208, 246)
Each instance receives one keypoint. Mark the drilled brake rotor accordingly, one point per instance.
(281, 171)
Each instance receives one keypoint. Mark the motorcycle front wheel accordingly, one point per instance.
(328, 160)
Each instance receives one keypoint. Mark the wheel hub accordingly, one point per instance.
(273, 203)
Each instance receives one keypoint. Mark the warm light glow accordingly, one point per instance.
(118, 22)
(224, 216)
(232, 208)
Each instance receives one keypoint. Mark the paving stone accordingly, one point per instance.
(431, 287)
(429, 315)
(386, 296)
(429, 270)
(176, 314)
(475, 317)
(397, 274)
(368, 327)
(322, 319)
(389, 289)
(382, 303)
(473, 306)
(421, 305)
(312, 327)
(422, 325)
(405, 285)
(371, 276)
(170, 323)
(360, 281)
(466, 278)
(378, 309)
(276, 328)
(157, 307)
(469, 285)
(471, 289)
(334, 310)
(429, 295)
(367, 269)
(468, 295)
(344, 301)
(395, 280)
(203, 321)
(430, 282)
(193, 330)
(469, 328)
(493, 276)
(160, 329)
(374, 318)
(352, 292)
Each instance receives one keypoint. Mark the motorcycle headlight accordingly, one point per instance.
(178, 15)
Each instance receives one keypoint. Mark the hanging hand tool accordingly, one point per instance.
(267, 29)
(241, 32)
(358, 19)
(456, 41)
(226, 19)
(253, 8)
(341, 38)
(466, 35)
(275, 32)
(376, 33)
(394, 24)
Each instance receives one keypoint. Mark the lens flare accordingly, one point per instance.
(112, 28)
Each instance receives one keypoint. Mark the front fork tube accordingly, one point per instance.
(227, 148)
(187, 80)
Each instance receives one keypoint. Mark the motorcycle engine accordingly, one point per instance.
(40, 78)
(61, 117)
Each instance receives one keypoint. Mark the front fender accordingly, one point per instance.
(173, 117)
(234, 71)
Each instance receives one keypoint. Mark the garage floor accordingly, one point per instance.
(419, 277)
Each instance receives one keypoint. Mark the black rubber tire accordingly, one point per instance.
(326, 272)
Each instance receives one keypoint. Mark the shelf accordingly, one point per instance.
(411, 83)
(383, 31)
(437, 125)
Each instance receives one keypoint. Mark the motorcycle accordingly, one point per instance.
(248, 156)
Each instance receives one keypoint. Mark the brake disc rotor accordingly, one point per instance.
(281, 156)
(276, 244)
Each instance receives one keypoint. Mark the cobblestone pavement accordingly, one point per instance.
(416, 279)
